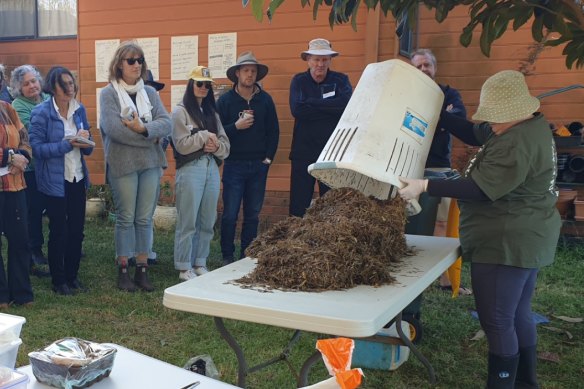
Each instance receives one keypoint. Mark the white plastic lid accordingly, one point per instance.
(14, 381)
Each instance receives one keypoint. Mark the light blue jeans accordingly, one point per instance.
(197, 192)
(135, 197)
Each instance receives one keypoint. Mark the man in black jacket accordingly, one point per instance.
(318, 98)
(438, 162)
(249, 117)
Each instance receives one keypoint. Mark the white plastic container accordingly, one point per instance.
(372, 354)
(8, 353)
(10, 327)
(17, 381)
(384, 133)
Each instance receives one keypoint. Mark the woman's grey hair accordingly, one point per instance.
(17, 78)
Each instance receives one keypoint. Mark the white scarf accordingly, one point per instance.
(144, 108)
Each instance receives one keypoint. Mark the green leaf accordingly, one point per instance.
(537, 29)
(257, 9)
(274, 4)
(354, 15)
(304, 3)
(523, 15)
(487, 37)
(317, 4)
(500, 25)
(466, 36)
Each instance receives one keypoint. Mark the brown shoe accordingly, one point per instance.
(124, 280)
(141, 278)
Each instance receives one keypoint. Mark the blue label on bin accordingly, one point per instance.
(415, 126)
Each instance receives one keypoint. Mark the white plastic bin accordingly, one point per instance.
(384, 133)
(10, 327)
(8, 353)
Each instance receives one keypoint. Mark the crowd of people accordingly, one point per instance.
(509, 225)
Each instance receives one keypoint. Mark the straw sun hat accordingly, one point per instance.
(505, 98)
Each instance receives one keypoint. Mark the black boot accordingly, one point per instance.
(526, 376)
(141, 278)
(124, 281)
(502, 371)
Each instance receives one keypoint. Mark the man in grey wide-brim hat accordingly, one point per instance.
(249, 117)
(509, 224)
(318, 98)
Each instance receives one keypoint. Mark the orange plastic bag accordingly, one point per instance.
(337, 354)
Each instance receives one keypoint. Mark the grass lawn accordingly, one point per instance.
(140, 322)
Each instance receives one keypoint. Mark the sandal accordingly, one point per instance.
(462, 290)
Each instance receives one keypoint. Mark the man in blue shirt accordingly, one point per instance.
(318, 98)
(249, 117)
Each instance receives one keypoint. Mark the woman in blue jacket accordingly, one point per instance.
(58, 130)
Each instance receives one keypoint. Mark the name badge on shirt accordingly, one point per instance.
(328, 90)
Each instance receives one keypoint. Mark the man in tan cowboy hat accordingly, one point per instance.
(249, 117)
(509, 224)
(318, 98)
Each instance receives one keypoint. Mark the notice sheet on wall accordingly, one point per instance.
(176, 95)
(184, 56)
(222, 53)
(150, 47)
(104, 52)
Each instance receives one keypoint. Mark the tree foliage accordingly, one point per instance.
(554, 22)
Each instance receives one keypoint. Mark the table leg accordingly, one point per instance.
(242, 367)
(413, 349)
(310, 361)
(241, 361)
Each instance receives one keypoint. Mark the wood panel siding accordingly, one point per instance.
(42, 53)
(278, 45)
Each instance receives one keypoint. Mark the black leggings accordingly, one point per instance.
(503, 300)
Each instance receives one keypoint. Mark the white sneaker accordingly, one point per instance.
(187, 275)
(200, 270)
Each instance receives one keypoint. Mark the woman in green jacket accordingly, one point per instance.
(26, 86)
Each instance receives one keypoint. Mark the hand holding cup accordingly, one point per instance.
(245, 120)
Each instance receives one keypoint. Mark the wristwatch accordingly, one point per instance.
(10, 156)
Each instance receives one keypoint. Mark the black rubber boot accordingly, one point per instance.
(526, 370)
(502, 372)
(124, 280)
(141, 278)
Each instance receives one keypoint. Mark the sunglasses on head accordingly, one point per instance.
(132, 61)
(200, 84)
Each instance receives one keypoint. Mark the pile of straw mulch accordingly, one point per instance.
(345, 239)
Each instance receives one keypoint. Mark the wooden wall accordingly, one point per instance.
(42, 53)
(278, 45)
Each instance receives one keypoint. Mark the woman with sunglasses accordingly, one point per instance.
(132, 121)
(200, 144)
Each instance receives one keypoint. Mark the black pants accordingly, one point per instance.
(35, 202)
(66, 224)
(503, 300)
(302, 188)
(13, 215)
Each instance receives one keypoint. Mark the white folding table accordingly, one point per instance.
(357, 312)
(134, 370)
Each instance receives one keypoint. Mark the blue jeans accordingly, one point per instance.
(135, 197)
(197, 192)
(243, 181)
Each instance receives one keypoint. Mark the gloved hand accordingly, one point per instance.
(414, 187)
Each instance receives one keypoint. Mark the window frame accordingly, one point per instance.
(36, 36)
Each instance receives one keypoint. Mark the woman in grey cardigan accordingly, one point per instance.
(132, 121)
